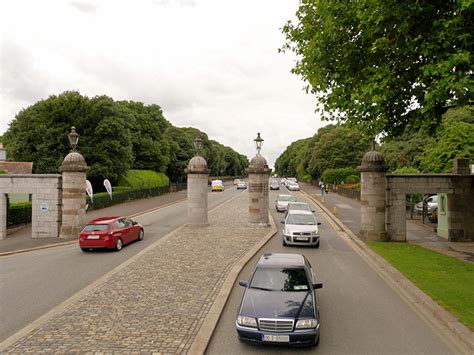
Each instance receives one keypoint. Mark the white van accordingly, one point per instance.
(217, 185)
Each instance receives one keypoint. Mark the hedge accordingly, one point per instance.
(339, 175)
(19, 213)
(122, 194)
(143, 179)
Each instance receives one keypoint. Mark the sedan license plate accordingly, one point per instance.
(276, 338)
(302, 239)
(92, 236)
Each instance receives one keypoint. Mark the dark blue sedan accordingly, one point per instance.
(279, 304)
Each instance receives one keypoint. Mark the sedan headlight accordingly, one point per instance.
(247, 321)
(307, 323)
(314, 233)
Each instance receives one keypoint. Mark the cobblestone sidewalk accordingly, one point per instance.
(158, 303)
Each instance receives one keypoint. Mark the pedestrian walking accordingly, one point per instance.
(322, 189)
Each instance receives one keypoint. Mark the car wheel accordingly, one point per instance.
(317, 245)
(85, 250)
(141, 234)
(284, 243)
(118, 244)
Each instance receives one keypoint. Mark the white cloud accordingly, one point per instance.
(209, 64)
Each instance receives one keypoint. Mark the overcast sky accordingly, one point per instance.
(210, 64)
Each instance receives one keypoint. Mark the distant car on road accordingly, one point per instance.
(274, 185)
(279, 305)
(217, 185)
(241, 185)
(282, 202)
(292, 186)
(110, 233)
(300, 228)
(236, 181)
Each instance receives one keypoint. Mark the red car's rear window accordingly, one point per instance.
(95, 227)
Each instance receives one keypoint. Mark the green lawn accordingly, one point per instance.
(447, 280)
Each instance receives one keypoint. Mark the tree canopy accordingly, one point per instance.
(114, 136)
(333, 146)
(381, 65)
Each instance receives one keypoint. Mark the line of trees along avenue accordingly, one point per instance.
(115, 136)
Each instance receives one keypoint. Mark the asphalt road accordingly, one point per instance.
(33, 283)
(360, 312)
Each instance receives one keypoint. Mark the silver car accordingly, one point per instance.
(300, 228)
(282, 202)
(293, 186)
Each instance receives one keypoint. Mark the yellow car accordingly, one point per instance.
(217, 185)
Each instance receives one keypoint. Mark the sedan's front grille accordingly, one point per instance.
(276, 325)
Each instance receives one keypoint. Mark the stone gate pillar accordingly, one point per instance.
(74, 170)
(372, 196)
(258, 190)
(198, 175)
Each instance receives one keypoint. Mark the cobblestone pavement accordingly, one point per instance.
(159, 301)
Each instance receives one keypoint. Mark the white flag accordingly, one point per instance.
(108, 187)
(89, 190)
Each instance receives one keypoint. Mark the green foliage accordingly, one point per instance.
(352, 179)
(333, 146)
(143, 179)
(115, 136)
(339, 175)
(406, 170)
(18, 213)
(449, 281)
(432, 153)
(367, 62)
(3, 171)
(102, 199)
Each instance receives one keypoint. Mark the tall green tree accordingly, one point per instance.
(381, 64)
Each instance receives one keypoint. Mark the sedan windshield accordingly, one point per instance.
(286, 198)
(95, 227)
(301, 219)
(275, 279)
(299, 207)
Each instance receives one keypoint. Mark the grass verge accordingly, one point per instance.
(447, 280)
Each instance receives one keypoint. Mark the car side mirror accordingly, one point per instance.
(319, 223)
(243, 283)
(318, 285)
(134, 223)
(282, 222)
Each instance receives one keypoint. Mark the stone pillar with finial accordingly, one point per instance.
(73, 169)
(198, 176)
(372, 196)
(258, 186)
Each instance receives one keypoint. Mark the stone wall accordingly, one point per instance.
(460, 194)
(46, 201)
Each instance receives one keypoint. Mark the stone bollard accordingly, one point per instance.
(372, 196)
(258, 190)
(73, 171)
(198, 175)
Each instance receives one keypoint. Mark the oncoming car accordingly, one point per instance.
(217, 185)
(241, 185)
(110, 233)
(279, 303)
(301, 229)
(282, 202)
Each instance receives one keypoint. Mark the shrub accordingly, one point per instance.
(143, 179)
(19, 213)
(406, 170)
(3, 171)
(352, 179)
(339, 175)
(122, 194)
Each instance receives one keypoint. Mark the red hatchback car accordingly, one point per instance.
(110, 232)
